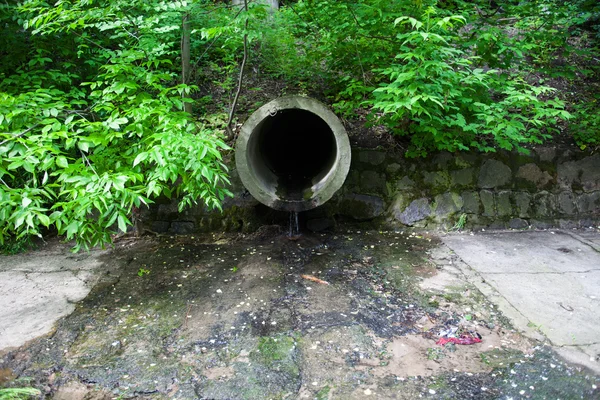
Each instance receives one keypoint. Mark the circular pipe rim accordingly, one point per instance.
(326, 187)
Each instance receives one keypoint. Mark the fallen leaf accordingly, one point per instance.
(314, 279)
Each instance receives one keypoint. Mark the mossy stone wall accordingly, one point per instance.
(550, 187)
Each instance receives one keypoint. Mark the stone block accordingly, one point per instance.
(532, 174)
(589, 203)
(393, 168)
(443, 159)
(353, 179)
(319, 224)
(447, 204)
(589, 223)
(498, 224)
(503, 205)
(436, 179)
(518, 223)
(160, 226)
(522, 202)
(462, 177)
(372, 157)
(361, 207)
(371, 181)
(405, 183)
(568, 224)
(541, 224)
(167, 212)
(465, 160)
(566, 203)
(494, 174)
(544, 204)
(416, 211)
(471, 202)
(580, 175)
(590, 176)
(487, 199)
(546, 154)
(182, 227)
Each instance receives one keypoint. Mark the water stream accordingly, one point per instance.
(294, 224)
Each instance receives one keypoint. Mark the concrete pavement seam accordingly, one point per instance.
(482, 284)
(583, 240)
(543, 273)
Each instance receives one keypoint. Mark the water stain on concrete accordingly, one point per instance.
(233, 317)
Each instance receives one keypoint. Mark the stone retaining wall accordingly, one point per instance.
(551, 187)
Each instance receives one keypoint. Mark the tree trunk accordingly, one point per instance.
(185, 58)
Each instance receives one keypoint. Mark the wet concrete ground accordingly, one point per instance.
(232, 317)
(549, 283)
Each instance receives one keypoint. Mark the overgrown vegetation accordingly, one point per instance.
(19, 393)
(93, 115)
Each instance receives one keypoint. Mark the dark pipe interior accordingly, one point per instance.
(298, 147)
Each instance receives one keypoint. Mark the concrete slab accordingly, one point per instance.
(549, 281)
(559, 305)
(524, 252)
(39, 287)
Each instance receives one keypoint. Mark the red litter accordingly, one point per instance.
(460, 340)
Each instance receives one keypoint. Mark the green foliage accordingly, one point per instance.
(435, 95)
(16, 246)
(80, 151)
(460, 223)
(92, 121)
(18, 393)
(586, 123)
(449, 75)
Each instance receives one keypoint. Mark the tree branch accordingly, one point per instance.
(241, 77)
(387, 39)
(19, 134)
(185, 59)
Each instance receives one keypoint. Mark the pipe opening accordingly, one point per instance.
(297, 148)
(293, 154)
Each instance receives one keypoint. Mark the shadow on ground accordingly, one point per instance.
(233, 317)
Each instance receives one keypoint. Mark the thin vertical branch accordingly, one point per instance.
(241, 77)
(185, 58)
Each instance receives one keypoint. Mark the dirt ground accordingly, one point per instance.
(346, 315)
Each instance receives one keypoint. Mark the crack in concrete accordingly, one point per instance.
(583, 240)
(33, 271)
(580, 345)
(543, 273)
(457, 261)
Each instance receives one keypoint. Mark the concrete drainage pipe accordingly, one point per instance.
(293, 154)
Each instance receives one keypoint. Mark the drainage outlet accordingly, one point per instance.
(293, 154)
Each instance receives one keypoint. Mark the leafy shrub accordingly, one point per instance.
(435, 95)
(80, 152)
(585, 126)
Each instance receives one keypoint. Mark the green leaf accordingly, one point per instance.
(62, 162)
(72, 228)
(44, 219)
(122, 221)
(83, 146)
(140, 158)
